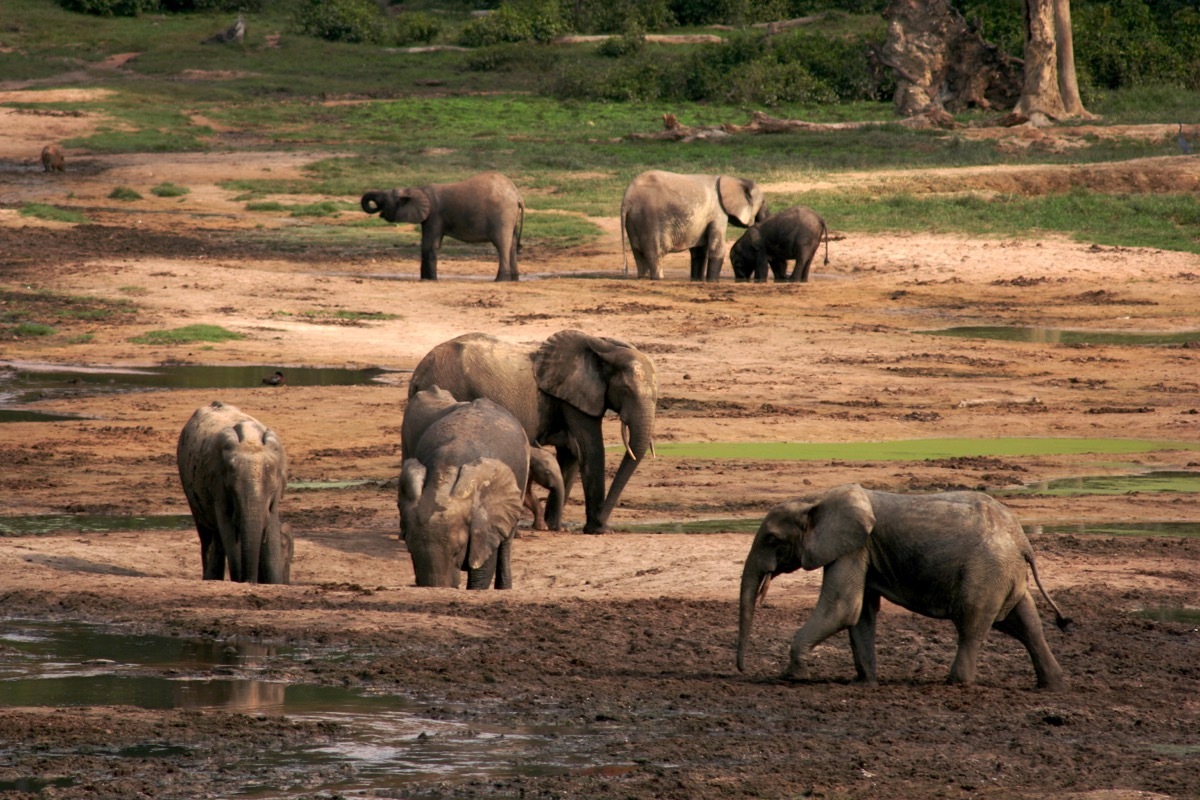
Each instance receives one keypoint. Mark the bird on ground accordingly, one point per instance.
(275, 380)
(234, 33)
(1185, 146)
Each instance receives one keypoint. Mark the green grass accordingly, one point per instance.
(168, 189)
(27, 330)
(342, 315)
(49, 212)
(323, 208)
(188, 334)
(26, 313)
(124, 193)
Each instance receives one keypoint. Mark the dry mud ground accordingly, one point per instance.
(625, 639)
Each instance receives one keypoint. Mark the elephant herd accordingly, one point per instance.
(661, 212)
(480, 411)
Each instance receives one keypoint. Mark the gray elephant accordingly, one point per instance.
(960, 556)
(559, 392)
(428, 405)
(792, 234)
(462, 483)
(234, 470)
(484, 208)
(664, 212)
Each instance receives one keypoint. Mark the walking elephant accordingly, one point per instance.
(427, 406)
(664, 212)
(234, 470)
(559, 392)
(462, 483)
(484, 208)
(792, 234)
(960, 556)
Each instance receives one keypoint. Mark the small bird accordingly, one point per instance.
(275, 380)
(1184, 145)
(234, 33)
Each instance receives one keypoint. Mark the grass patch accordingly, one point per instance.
(343, 317)
(49, 212)
(323, 208)
(26, 313)
(28, 330)
(168, 189)
(189, 334)
(124, 193)
(133, 290)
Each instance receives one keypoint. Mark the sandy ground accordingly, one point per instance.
(628, 635)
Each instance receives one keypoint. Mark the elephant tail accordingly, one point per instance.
(624, 255)
(1061, 621)
(825, 233)
(521, 224)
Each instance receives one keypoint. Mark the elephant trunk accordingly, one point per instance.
(481, 578)
(251, 527)
(371, 202)
(637, 425)
(754, 583)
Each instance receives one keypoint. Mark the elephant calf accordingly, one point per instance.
(484, 208)
(960, 556)
(462, 486)
(792, 234)
(234, 470)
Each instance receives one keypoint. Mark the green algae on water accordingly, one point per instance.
(1041, 335)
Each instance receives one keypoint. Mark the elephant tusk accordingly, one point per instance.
(625, 439)
(653, 454)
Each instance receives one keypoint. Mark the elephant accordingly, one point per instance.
(234, 470)
(794, 233)
(427, 406)
(664, 212)
(956, 555)
(484, 208)
(462, 482)
(559, 392)
(53, 159)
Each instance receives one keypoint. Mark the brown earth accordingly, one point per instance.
(627, 637)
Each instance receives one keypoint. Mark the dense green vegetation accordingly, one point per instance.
(555, 117)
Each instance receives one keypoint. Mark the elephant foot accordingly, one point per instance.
(595, 529)
(795, 673)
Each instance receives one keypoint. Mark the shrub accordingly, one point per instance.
(503, 57)
(729, 12)
(250, 6)
(841, 65)
(340, 20)
(110, 8)
(639, 79)
(520, 21)
(770, 83)
(629, 44)
(169, 189)
(415, 26)
(124, 193)
(618, 16)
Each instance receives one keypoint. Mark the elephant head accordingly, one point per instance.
(806, 533)
(456, 518)
(258, 547)
(399, 205)
(591, 374)
(423, 409)
(742, 200)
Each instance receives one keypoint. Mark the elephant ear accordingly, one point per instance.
(412, 205)
(568, 366)
(738, 199)
(837, 525)
(496, 503)
(412, 481)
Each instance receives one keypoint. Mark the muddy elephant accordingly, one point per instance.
(427, 406)
(234, 470)
(793, 234)
(53, 159)
(960, 556)
(484, 208)
(559, 392)
(462, 483)
(664, 212)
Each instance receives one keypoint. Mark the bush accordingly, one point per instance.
(413, 27)
(110, 8)
(249, 6)
(729, 12)
(124, 193)
(842, 65)
(770, 83)
(1118, 44)
(639, 79)
(340, 20)
(504, 57)
(521, 21)
(618, 16)
(629, 44)
(168, 189)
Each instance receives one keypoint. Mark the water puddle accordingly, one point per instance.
(913, 449)
(750, 525)
(25, 382)
(1185, 615)
(1063, 336)
(380, 742)
(1158, 481)
(34, 524)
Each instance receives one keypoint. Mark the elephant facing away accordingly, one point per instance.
(484, 208)
(664, 212)
(462, 483)
(234, 470)
(427, 406)
(559, 391)
(792, 234)
(960, 556)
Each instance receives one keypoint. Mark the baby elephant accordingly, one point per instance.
(794, 233)
(960, 556)
(234, 470)
(484, 208)
(462, 483)
(53, 159)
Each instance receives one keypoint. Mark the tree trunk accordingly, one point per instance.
(1068, 85)
(1041, 94)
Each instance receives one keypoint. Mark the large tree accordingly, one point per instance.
(1050, 88)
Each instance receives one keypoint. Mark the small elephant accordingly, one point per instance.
(484, 208)
(53, 159)
(427, 406)
(234, 470)
(794, 233)
(462, 483)
(559, 392)
(958, 555)
(664, 212)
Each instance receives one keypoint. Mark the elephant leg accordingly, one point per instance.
(862, 639)
(760, 268)
(699, 261)
(646, 266)
(779, 269)
(507, 250)
(972, 629)
(535, 508)
(838, 607)
(803, 265)
(568, 465)
(585, 431)
(431, 242)
(1024, 625)
(482, 578)
(212, 553)
(716, 251)
(504, 564)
